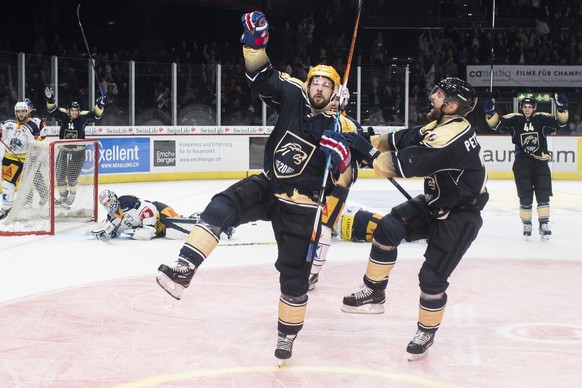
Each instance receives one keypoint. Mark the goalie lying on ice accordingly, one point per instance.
(133, 216)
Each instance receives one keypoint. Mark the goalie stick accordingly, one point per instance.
(88, 50)
(313, 242)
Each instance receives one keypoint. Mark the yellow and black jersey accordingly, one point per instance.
(293, 161)
(447, 155)
(529, 135)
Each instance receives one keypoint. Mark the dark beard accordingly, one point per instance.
(316, 106)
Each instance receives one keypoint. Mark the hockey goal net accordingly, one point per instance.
(36, 206)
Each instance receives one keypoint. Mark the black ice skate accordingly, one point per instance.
(365, 301)
(418, 347)
(545, 232)
(175, 279)
(4, 213)
(284, 348)
(527, 228)
(313, 279)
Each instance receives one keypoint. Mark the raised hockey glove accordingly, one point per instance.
(49, 93)
(334, 144)
(561, 102)
(102, 101)
(362, 148)
(489, 106)
(256, 30)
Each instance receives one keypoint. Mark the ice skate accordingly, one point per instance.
(284, 348)
(527, 229)
(175, 279)
(365, 301)
(545, 232)
(69, 200)
(418, 347)
(4, 213)
(313, 279)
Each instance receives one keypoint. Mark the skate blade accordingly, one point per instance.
(365, 309)
(175, 290)
(281, 363)
(416, 357)
(544, 238)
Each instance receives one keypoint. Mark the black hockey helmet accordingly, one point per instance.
(529, 100)
(75, 105)
(461, 91)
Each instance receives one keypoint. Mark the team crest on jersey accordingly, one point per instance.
(530, 141)
(291, 156)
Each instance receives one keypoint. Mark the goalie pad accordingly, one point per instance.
(106, 231)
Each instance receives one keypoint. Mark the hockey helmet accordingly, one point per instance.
(327, 72)
(345, 96)
(75, 105)
(528, 100)
(29, 104)
(460, 91)
(109, 200)
(20, 106)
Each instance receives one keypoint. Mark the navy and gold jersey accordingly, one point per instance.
(529, 135)
(293, 161)
(73, 129)
(447, 156)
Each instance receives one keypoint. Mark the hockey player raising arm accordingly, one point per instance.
(529, 130)
(448, 215)
(132, 216)
(71, 157)
(16, 134)
(287, 191)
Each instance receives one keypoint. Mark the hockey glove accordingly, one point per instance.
(489, 106)
(256, 30)
(49, 94)
(102, 101)
(334, 144)
(105, 231)
(561, 102)
(362, 148)
(367, 133)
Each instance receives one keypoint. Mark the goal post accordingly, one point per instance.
(49, 166)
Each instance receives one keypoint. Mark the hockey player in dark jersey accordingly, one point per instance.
(288, 190)
(71, 158)
(448, 215)
(529, 130)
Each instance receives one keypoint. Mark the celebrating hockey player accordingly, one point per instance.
(16, 134)
(529, 130)
(132, 216)
(287, 192)
(71, 158)
(448, 215)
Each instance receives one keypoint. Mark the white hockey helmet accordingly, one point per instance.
(21, 106)
(109, 200)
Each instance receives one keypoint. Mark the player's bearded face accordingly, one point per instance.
(437, 99)
(320, 91)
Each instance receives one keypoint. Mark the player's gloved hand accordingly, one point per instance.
(49, 94)
(334, 144)
(561, 102)
(362, 148)
(105, 231)
(256, 30)
(367, 133)
(102, 101)
(145, 233)
(489, 106)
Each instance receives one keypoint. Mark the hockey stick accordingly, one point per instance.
(10, 149)
(88, 50)
(492, 50)
(400, 188)
(313, 242)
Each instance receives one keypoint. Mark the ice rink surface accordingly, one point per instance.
(76, 312)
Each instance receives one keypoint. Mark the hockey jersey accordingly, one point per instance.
(18, 136)
(448, 156)
(293, 161)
